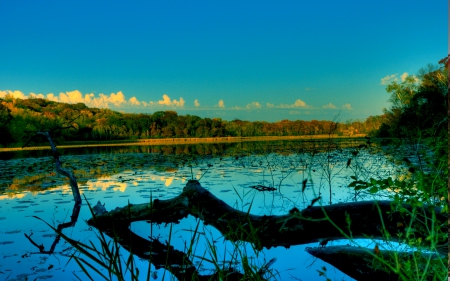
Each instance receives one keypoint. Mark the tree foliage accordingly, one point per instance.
(20, 117)
(419, 104)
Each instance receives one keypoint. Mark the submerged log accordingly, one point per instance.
(370, 264)
(369, 219)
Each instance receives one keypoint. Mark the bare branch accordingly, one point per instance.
(61, 170)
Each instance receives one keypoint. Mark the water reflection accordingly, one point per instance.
(117, 176)
(198, 149)
(59, 228)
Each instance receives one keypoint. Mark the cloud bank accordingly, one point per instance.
(101, 101)
(119, 101)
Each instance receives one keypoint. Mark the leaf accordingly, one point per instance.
(360, 186)
(352, 184)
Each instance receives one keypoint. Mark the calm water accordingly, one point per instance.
(117, 176)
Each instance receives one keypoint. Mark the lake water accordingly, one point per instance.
(117, 176)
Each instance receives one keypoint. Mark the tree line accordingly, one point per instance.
(419, 106)
(20, 117)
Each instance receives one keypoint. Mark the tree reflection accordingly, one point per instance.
(60, 227)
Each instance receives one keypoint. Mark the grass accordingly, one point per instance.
(418, 189)
(108, 256)
(425, 185)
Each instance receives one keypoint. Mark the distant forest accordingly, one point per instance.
(419, 107)
(20, 117)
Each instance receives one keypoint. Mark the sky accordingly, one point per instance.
(251, 60)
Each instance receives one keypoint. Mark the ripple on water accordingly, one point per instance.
(43, 277)
(12, 232)
(24, 201)
(63, 202)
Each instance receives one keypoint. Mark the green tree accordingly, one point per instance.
(419, 104)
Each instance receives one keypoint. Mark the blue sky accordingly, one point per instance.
(252, 60)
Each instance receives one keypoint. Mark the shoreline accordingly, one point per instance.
(173, 141)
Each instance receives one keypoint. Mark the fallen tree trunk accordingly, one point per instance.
(370, 264)
(369, 219)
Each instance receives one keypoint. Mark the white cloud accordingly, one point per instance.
(52, 97)
(15, 94)
(134, 101)
(70, 97)
(253, 105)
(389, 78)
(117, 99)
(403, 76)
(166, 101)
(270, 105)
(347, 106)
(196, 103)
(37, 96)
(330, 106)
(179, 103)
(221, 104)
(104, 100)
(101, 101)
(297, 103)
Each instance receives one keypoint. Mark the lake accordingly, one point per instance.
(116, 176)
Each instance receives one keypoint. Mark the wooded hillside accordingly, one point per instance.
(18, 117)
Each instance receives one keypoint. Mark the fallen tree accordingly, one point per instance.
(369, 219)
(374, 264)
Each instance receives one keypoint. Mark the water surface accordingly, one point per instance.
(117, 176)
